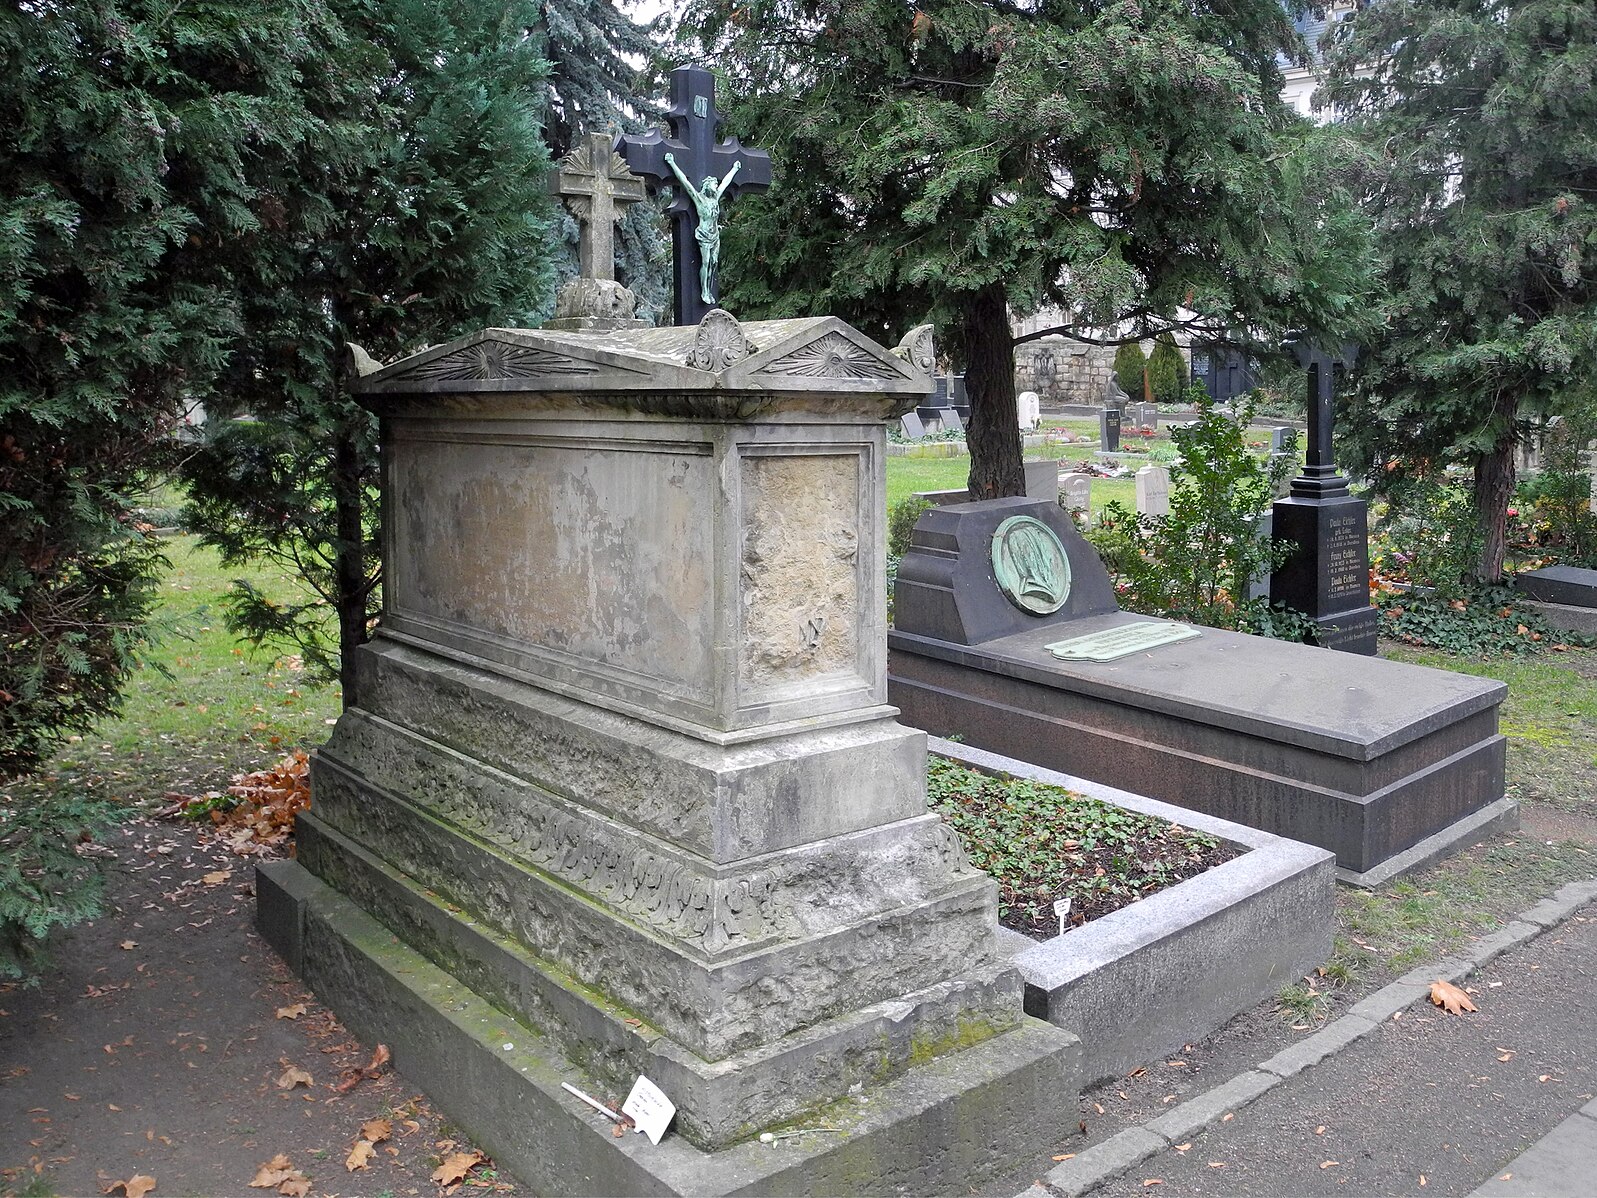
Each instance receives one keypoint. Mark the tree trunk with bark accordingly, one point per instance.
(1494, 487)
(996, 468)
(348, 498)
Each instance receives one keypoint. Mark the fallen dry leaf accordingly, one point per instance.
(293, 1012)
(296, 1186)
(377, 1130)
(1228, 1116)
(1320, 1130)
(294, 1076)
(1182, 1147)
(1328, 1164)
(1422, 1180)
(130, 944)
(456, 1165)
(1450, 998)
(380, 1060)
(359, 1156)
(1152, 1181)
(272, 1172)
(1065, 1156)
(136, 1186)
(217, 877)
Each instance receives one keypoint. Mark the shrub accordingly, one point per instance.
(1130, 363)
(1195, 562)
(1166, 369)
(900, 525)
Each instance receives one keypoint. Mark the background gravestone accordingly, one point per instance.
(1153, 490)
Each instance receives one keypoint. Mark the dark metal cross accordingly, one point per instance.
(1320, 477)
(696, 152)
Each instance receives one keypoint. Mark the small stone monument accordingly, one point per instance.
(1153, 490)
(1075, 493)
(1327, 577)
(1109, 430)
(703, 173)
(598, 188)
(1028, 408)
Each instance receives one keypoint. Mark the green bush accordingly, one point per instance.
(1166, 370)
(1130, 363)
(1424, 532)
(44, 883)
(1195, 562)
(900, 525)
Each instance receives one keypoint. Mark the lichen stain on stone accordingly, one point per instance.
(799, 569)
(555, 547)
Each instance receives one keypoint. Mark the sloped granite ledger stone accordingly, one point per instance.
(619, 758)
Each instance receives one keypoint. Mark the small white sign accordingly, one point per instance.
(650, 1109)
(1062, 909)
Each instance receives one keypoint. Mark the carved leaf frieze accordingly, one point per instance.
(497, 360)
(832, 356)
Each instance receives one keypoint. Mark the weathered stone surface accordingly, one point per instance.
(892, 1136)
(723, 802)
(1570, 586)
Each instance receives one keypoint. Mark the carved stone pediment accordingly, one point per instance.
(820, 354)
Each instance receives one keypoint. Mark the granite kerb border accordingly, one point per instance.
(1102, 1162)
(1124, 983)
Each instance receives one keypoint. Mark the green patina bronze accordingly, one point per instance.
(706, 200)
(1123, 641)
(1030, 566)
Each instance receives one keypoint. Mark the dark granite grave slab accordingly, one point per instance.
(1568, 585)
(1388, 765)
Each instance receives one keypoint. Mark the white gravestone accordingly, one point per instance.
(1153, 491)
(1075, 493)
(1028, 404)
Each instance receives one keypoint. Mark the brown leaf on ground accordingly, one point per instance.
(130, 944)
(294, 1076)
(359, 1156)
(293, 1012)
(269, 800)
(272, 1172)
(1450, 998)
(380, 1061)
(455, 1167)
(377, 1130)
(217, 877)
(296, 1186)
(136, 1186)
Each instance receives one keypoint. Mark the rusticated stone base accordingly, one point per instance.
(959, 1105)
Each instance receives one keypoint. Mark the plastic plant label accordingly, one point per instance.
(1062, 910)
(650, 1109)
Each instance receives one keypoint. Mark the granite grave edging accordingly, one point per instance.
(1124, 1150)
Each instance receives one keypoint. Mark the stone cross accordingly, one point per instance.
(1320, 477)
(694, 149)
(598, 188)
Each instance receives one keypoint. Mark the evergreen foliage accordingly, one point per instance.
(1166, 370)
(431, 223)
(1131, 366)
(1480, 119)
(44, 884)
(140, 137)
(960, 160)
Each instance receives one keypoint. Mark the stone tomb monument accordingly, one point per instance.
(620, 793)
(1007, 634)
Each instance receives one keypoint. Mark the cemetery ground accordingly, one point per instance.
(160, 1039)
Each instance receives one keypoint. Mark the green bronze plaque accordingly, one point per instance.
(1113, 643)
(1030, 566)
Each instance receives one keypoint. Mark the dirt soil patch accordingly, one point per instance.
(159, 1042)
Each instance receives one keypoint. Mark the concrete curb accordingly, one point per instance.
(1130, 1147)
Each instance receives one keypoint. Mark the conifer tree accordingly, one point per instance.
(1131, 366)
(1479, 115)
(436, 223)
(960, 160)
(140, 137)
(1165, 369)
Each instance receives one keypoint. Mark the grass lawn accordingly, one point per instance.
(905, 476)
(205, 707)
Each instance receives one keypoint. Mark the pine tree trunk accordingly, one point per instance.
(351, 557)
(994, 432)
(1494, 486)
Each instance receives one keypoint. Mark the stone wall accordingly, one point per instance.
(1064, 371)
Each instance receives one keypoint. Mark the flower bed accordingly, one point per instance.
(1042, 843)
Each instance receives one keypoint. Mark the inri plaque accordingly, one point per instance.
(1114, 643)
(1030, 566)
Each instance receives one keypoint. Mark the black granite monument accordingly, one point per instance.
(1008, 635)
(1327, 576)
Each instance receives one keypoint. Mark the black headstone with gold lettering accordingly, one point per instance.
(1327, 576)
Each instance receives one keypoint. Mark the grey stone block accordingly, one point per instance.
(1565, 616)
(961, 1116)
(1489, 948)
(1572, 586)
(1305, 1054)
(1491, 820)
(1448, 969)
(1560, 1165)
(1196, 1114)
(1389, 1000)
(1140, 981)
(1096, 1165)
(281, 888)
